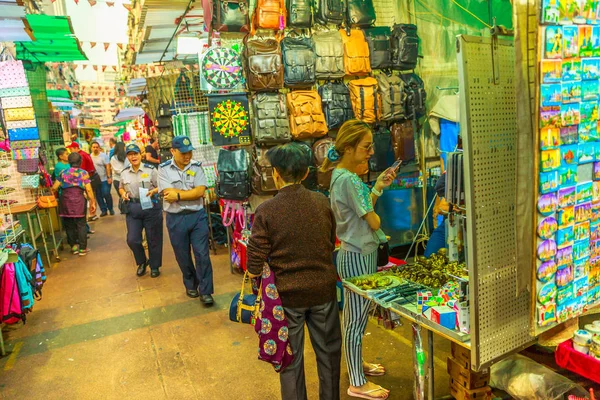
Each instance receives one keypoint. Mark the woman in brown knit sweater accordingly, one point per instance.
(295, 233)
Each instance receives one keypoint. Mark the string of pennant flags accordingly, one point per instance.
(92, 3)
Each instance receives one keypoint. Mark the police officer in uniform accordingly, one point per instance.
(182, 183)
(134, 177)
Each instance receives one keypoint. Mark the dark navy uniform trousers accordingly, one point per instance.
(189, 232)
(152, 221)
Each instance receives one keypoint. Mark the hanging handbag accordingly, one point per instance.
(47, 202)
(30, 181)
(24, 144)
(244, 307)
(27, 154)
(27, 166)
(230, 16)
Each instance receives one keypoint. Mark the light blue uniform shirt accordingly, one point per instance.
(192, 176)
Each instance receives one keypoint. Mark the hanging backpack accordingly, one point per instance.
(403, 140)
(404, 46)
(10, 311)
(32, 259)
(330, 11)
(383, 154)
(336, 104)
(299, 13)
(361, 13)
(230, 16)
(25, 289)
(329, 50)
(165, 126)
(299, 62)
(363, 95)
(263, 183)
(320, 149)
(306, 114)
(270, 14)
(264, 67)
(233, 182)
(378, 40)
(415, 96)
(392, 97)
(270, 123)
(356, 53)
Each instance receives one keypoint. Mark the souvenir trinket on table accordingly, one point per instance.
(566, 217)
(570, 114)
(586, 48)
(550, 160)
(571, 92)
(564, 257)
(582, 230)
(546, 271)
(549, 182)
(583, 212)
(567, 175)
(564, 276)
(585, 192)
(589, 69)
(547, 293)
(547, 227)
(549, 138)
(553, 42)
(568, 135)
(229, 115)
(589, 90)
(551, 95)
(571, 70)
(546, 314)
(550, 117)
(570, 41)
(586, 152)
(547, 204)
(565, 237)
(547, 250)
(566, 197)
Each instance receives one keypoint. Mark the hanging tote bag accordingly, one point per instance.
(12, 75)
(30, 181)
(244, 307)
(47, 202)
(27, 166)
(32, 153)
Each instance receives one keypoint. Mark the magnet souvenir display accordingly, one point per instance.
(566, 197)
(597, 171)
(568, 135)
(546, 314)
(570, 35)
(546, 271)
(553, 42)
(586, 48)
(569, 113)
(552, 95)
(566, 217)
(594, 228)
(547, 228)
(550, 160)
(581, 267)
(584, 192)
(571, 70)
(580, 286)
(583, 212)
(567, 175)
(565, 237)
(582, 230)
(549, 182)
(549, 138)
(595, 192)
(589, 90)
(547, 250)
(595, 215)
(589, 69)
(550, 13)
(547, 293)
(589, 111)
(552, 70)
(550, 117)
(581, 250)
(564, 276)
(565, 294)
(571, 92)
(564, 257)
(568, 154)
(586, 152)
(547, 204)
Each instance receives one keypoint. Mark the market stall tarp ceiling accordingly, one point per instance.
(12, 28)
(54, 40)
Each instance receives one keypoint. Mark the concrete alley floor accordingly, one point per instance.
(101, 332)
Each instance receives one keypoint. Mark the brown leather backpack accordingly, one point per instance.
(306, 114)
(356, 53)
(320, 149)
(365, 99)
(262, 173)
(403, 140)
(264, 67)
(270, 14)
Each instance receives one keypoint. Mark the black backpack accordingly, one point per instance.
(379, 47)
(383, 156)
(299, 13)
(415, 96)
(360, 13)
(233, 182)
(330, 11)
(404, 46)
(336, 104)
(165, 126)
(299, 62)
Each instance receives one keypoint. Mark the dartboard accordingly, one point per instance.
(222, 68)
(230, 120)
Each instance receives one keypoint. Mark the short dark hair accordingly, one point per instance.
(112, 140)
(291, 161)
(75, 160)
(59, 152)
(152, 140)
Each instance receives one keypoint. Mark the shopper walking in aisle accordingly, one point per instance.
(182, 183)
(112, 142)
(295, 233)
(152, 157)
(358, 229)
(63, 162)
(118, 162)
(104, 170)
(139, 191)
(87, 164)
(74, 184)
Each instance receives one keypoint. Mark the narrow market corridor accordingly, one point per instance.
(101, 332)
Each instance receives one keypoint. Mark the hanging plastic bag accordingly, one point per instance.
(418, 363)
(525, 379)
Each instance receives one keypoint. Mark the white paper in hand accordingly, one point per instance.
(145, 201)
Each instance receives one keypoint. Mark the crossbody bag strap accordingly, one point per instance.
(228, 214)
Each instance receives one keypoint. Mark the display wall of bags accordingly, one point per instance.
(264, 65)
(336, 104)
(270, 14)
(229, 119)
(230, 16)
(233, 181)
(270, 122)
(299, 62)
(329, 50)
(361, 13)
(363, 95)
(378, 40)
(262, 173)
(299, 13)
(356, 53)
(404, 46)
(416, 95)
(383, 153)
(403, 140)
(330, 11)
(306, 114)
(392, 97)
(320, 149)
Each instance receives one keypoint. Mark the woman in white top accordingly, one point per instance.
(119, 162)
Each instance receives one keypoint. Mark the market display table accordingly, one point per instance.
(411, 313)
(32, 212)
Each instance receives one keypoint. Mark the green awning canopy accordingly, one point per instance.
(59, 94)
(54, 40)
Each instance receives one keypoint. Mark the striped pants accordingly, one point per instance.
(356, 311)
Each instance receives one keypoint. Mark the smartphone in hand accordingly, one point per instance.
(396, 166)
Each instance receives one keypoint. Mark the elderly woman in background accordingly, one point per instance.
(295, 233)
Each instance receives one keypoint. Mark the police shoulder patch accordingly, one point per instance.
(166, 163)
(196, 163)
(150, 166)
